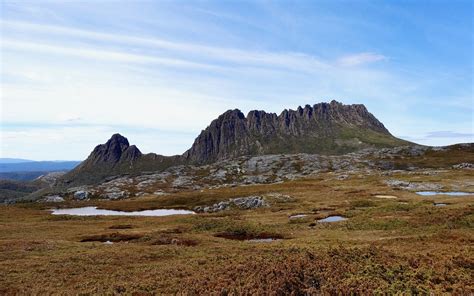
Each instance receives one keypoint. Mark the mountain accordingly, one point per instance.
(325, 128)
(115, 157)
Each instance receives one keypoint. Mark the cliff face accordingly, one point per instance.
(325, 128)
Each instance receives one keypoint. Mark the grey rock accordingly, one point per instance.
(464, 165)
(182, 181)
(244, 203)
(412, 185)
(53, 198)
(81, 194)
(116, 195)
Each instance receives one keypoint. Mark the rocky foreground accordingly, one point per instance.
(270, 169)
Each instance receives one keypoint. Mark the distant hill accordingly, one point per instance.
(38, 166)
(22, 176)
(325, 128)
(14, 160)
(13, 190)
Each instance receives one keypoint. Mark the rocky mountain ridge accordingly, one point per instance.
(325, 128)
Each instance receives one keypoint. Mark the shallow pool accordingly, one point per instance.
(452, 193)
(332, 219)
(94, 211)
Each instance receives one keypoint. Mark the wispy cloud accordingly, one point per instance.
(288, 60)
(103, 55)
(360, 59)
(449, 134)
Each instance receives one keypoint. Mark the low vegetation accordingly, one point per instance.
(394, 245)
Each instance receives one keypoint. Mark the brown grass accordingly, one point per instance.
(387, 246)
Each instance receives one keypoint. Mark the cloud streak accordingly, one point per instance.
(360, 59)
(288, 60)
(449, 134)
(103, 55)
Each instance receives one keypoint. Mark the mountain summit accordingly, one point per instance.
(115, 157)
(325, 128)
(115, 150)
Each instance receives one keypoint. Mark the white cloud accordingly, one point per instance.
(360, 59)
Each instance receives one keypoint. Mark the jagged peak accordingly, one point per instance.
(111, 151)
(232, 113)
(118, 138)
(322, 110)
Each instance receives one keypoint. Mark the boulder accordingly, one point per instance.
(81, 194)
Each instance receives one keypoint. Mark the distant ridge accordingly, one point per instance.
(13, 160)
(37, 166)
(325, 128)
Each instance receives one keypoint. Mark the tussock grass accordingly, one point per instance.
(385, 246)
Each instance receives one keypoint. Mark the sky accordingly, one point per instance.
(75, 72)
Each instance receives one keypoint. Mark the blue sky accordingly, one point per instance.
(75, 72)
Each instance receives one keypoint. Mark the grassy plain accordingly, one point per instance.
(398, 245)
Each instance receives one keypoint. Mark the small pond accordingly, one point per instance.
(452, 193)
(332, 219)
(94, 211)
(439, 204)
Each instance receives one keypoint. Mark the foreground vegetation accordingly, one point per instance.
(386, 245)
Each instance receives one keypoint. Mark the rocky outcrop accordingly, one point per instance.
(243, 203)
(325, 128)
(53, 198)
(405, 185)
